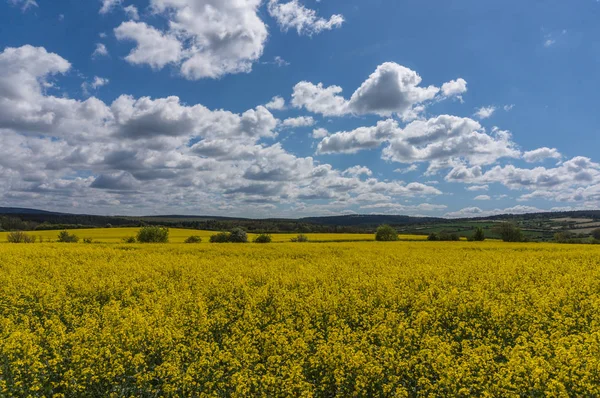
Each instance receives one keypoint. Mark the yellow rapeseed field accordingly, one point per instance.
(176, 235)
(364, 319)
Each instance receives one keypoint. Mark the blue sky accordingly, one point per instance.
(295, 108)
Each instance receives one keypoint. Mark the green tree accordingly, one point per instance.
(66, 237)
(193, 239)
(479, 235)
(263, 238)
(386, 233)
(238, 235)
(221, 237)
(153, 235)
(596, 234)
(510, 232)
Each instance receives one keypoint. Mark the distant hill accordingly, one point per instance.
(537, 226)
(21, 210)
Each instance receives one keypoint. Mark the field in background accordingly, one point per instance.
(116, 235)
(332, 319)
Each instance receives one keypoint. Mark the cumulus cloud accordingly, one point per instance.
(541, 154)
(319, 133)
(100, 51)
(96, 83)
(153, 47)
(485, 112)
(155, 153)
(204, 39)
(109, 5)
(132, 12)
(277, 103)
(300, 121)
(455, 88)
(358, 171)
(359, 139)
(476, 212)
(483, 197)
(293, 15)
(473, 188)
(391, 89)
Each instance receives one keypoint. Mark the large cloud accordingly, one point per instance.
(391, 89)
(293, 15)
(154, 153)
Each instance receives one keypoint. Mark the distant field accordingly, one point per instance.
(116, 235)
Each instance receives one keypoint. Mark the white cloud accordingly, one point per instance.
(132, 12)
(407, 170)
(454, 88)
(293, 15)
(474, 188)
(319, 133)
(541, 154)
(476, 212)
(483, 197)
(109, 5)
(153, 47)
(25, 4)
(391, 89)
(100, 51)
(549, 42)
(357, 171)
(214, 38)
(359, 139)
(509, 107)
(485, 112)
(300, 121)
(277, 103)
(139, 155)
(280, 61)
(96, 83)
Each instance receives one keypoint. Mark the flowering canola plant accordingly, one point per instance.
(404, 319)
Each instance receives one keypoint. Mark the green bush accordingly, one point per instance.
(596, 234)
(263, 238)
(20, 237)
(221, 237)
(433, 237)
(385, 233)
(87, 240)
(130, 239)
(193, 239)
(510, 232)
(153, 235)
(66, 237)
(238, 235)
(301, 238)
(479, 235)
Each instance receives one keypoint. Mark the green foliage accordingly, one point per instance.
(263, 238)
(66, 237)
(193, 239)
(130, 239)
(20, 237)
(87, 240)
(153, 235)
(221, 237)
(443, 237)
(386, 233)
(479, 235)
(433, 237)
(510, 232)
(238, 235)
(301, 238)
(596, 234)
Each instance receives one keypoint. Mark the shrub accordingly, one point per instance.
(301, 238)
(193, 239)
(385, 233)
(87, 240)
(510, 232)
(263, 238)
(449, 237)
(433, 237)
(596, 234)
(479, 235)
(20, 237)
(153, 235)
(238, 235)
(66, 237)
(130, 239)
(221, 237)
